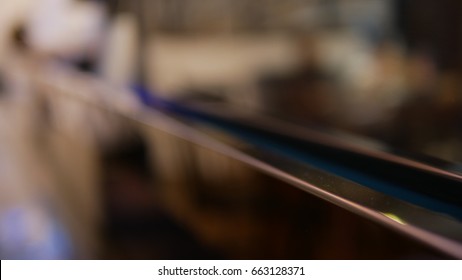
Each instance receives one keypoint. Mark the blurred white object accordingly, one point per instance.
(177, 63)
(120, 51)
(371, 78)
(66, 28)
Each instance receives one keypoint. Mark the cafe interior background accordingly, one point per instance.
(101, 159)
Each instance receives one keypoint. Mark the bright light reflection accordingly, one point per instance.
(394, 218)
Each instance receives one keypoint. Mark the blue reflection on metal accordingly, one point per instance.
(304, 156)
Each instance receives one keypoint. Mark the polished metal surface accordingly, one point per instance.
(433, 229)
(333, 139)
(436, 230)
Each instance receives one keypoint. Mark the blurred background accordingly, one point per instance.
(80, 180)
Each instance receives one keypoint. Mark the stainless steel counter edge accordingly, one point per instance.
(438, 231)
(403, 224)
